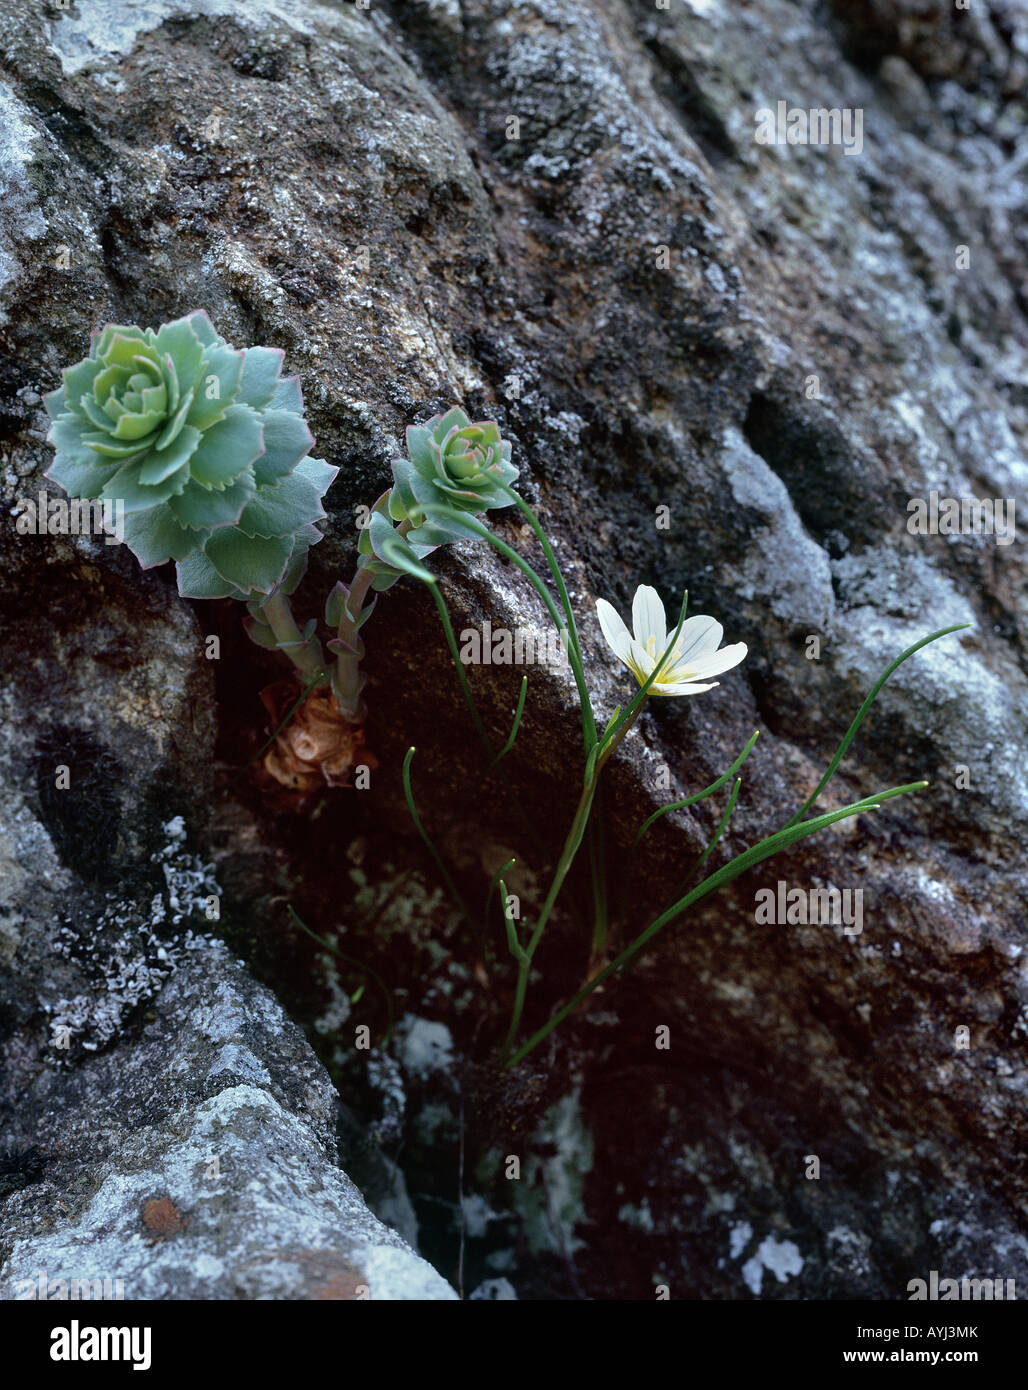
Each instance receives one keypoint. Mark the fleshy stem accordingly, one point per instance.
(303, 650)
(347, 682)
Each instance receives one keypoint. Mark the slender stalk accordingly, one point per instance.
(756, 854)
(567, 858)
(347, 682)
(588, 720)
(862, 712)
(440, 864)
(531, 575)
(597, 863)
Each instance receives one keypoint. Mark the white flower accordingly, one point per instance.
(696, 656)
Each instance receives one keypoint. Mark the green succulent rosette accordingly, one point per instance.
(206, 446)
(453, 462)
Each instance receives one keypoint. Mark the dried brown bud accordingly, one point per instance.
(318, 746)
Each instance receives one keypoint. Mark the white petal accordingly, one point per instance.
(681, 688)
(648, 617)
(618, 638)
(640, 660)
(712, 663)
(699, 635)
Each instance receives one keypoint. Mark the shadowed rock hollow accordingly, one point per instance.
(558, 215)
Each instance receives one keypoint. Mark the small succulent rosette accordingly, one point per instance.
(453, 462)
(206, 446)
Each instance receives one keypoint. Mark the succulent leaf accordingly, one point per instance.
(156, 536)
(335, 604)
(249, 562)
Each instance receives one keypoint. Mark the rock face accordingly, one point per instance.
(197, 1162)
(725, 364)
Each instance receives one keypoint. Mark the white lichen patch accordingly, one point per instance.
(91, 35)
(781, 1258)
(549, 1197)
(498, 1290)
(425, 1047)
(477, 1214)
(339, 1008)
(639, 1218)
(125, 959)
(20, 217)
(189, 882)
(394, 1272)
(384, 1078)
(738, 1238)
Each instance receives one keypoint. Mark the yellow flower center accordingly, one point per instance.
(651, 648)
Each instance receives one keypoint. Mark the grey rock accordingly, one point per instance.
(646, 298)
(197, 1161)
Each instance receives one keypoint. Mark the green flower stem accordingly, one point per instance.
(588, 720)
(788, 835)
(597, 861)
(872, 695)
(597, 758)
(534, 579)
(305, 654)
(567, 858)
